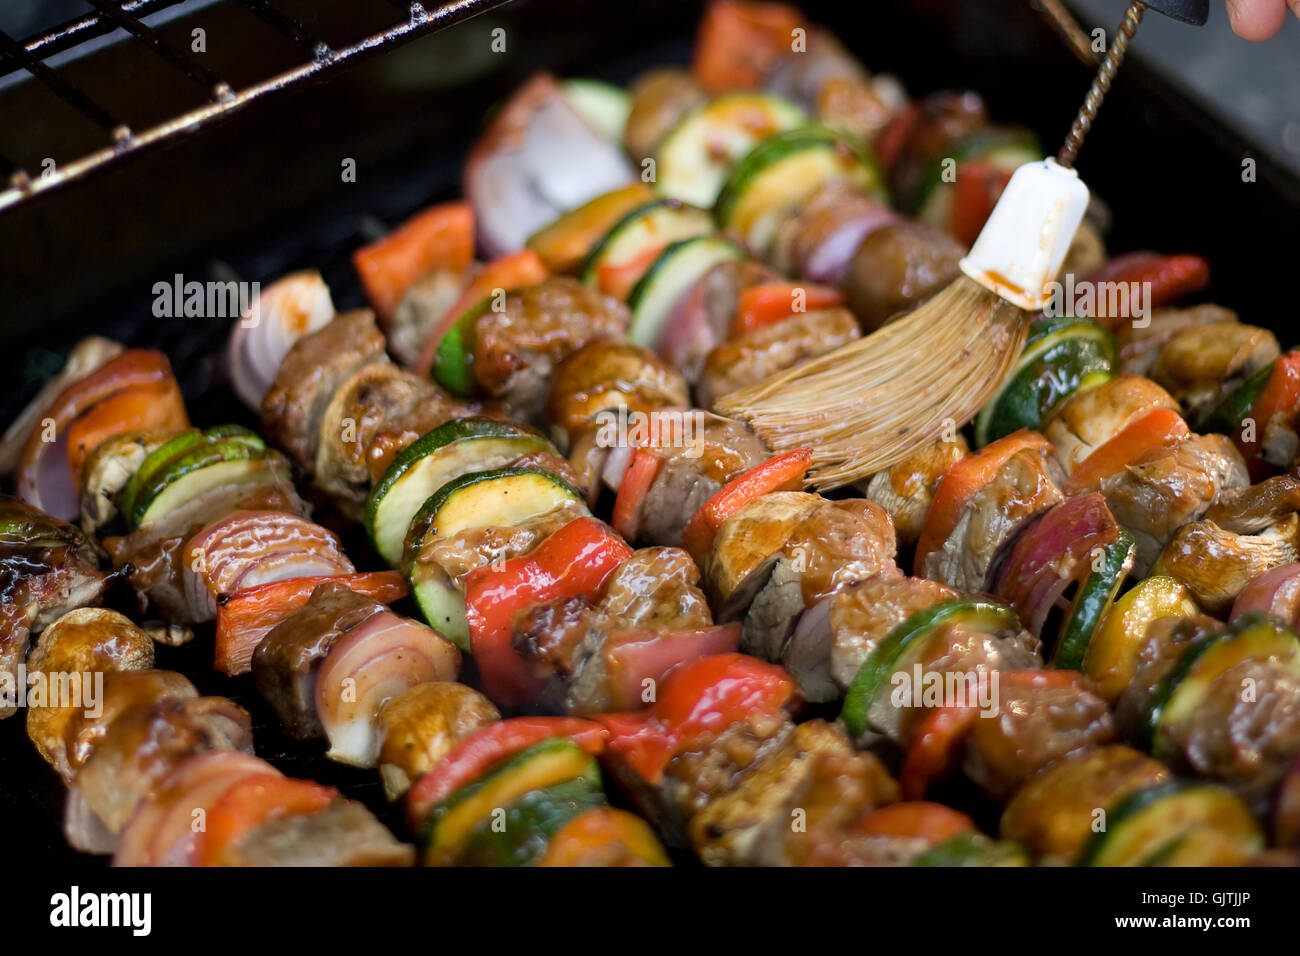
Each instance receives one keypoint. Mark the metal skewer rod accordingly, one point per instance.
(1101, 84)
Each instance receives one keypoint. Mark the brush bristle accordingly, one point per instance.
(869, 404)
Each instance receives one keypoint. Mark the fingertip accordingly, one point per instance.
(1257, 20)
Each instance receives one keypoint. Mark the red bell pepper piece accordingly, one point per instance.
(642, 469)
(1171, 278)
(439, 237)
(932, 822)
(978, 188)
(959, 485)
(934, 752)
(696, 701)
(488, 747)
(782, 473)
(1160, 427)
(1279, 398)
(255, 800)
(739, 41)
(771, 302)
(248, 616)
(573, 561)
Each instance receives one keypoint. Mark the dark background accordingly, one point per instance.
(262, 194)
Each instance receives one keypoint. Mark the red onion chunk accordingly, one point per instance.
(248, 548)
(830, 260)
(807, 656)
(538, 159)
(162, 831)
(634, 656)
(1276, 593)
(283, 313)
(374, 662)
(1053, 551)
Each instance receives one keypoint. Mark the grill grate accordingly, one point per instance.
(222, 99)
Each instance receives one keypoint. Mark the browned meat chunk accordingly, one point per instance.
(1025, 486)
(659, 99)
(896, 268)
(1169, 487)
(1039, 719)
(1216, 565)
(754, 356)
(1140, 347)
(1202, 364)
(422, 725)
(125, 692)
(1164, 642)
(343, 834)
(906, 489)
(694, 471)
(310, 374)
(519, 347)
(287, 660)
(604, 375)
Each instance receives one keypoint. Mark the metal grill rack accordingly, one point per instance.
(105, 17)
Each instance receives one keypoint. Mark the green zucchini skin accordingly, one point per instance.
(1097, 592)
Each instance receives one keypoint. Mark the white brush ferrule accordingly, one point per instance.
(1020, 250)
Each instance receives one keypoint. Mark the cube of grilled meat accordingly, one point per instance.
(1054, 813)
(753, 822)
(703, 317)
(906, 489)
(358, 408)
(648, 614)
(343, 834)
(518, 348)
(135, 755)
(422, 725)
(862, 614)
(1139, 347)
(402, 426)
(425, 302)
(83, 642)
(310, 375)
(659, 98)
(801, 78)
(1203, 364)
(1166, 488)
(125, 692)
(1040, 719)
(1025, 486)
(1254, 509)
(154, 550)
(47, 567)
(944, 118)
(287, 660)
(831, 544)
(1158, 650)
(1091, 417)
(1216, 564)
(750, 358)
(604, 375)
(717, 450)
(896, 268)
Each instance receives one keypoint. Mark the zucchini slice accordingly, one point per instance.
(783, 172)
(635, 241)
(1250, 637)
(603, 106)
(674, 272)
(1146, 827)
(453, 363)
(973, 849)
(524, 830)
(564, 245)
(695, 155)
(1062, 356)
(452, 449)
(1096, 594)
(1236, 405)
(867, 706)
(1111, 657)
(450, 824)
(197, 465)
(503, 497)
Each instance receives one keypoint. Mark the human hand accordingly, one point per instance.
(1260, 19)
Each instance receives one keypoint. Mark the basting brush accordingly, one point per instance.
(869, 404)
